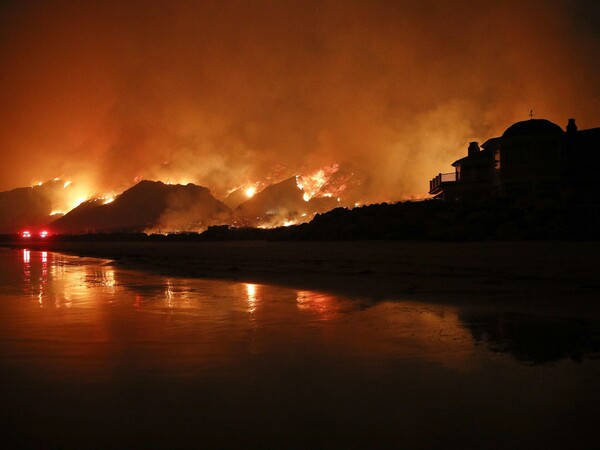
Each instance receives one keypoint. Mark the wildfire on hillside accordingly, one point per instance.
(66, 195)
(264, 204)
(250, 191)
(312, 184)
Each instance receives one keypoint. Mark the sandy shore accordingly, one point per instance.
(555, 278)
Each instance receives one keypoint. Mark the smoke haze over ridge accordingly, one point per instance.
(233, 92)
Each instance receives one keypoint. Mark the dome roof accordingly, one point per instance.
(532, 126)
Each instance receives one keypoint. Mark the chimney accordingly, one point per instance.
(473, 148)
(571, 127)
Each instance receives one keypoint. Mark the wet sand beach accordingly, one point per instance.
(255, 345)
(554, 278)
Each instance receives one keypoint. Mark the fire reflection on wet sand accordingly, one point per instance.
(310, 356)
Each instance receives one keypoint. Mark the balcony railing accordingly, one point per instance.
(436, 182)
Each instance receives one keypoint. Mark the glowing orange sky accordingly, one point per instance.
(231, 92)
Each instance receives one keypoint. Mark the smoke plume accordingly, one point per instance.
(232, 93)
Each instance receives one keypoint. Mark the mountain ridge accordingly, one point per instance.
(147, 205)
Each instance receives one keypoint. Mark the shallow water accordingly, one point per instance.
(93, 355)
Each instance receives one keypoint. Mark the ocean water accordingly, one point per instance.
(93, 355)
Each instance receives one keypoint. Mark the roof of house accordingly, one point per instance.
(492, 143)
(591, 134)
(532, 126)
(483, 154)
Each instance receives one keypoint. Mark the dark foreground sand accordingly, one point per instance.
(554, 278)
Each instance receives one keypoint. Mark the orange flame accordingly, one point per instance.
(250, 191)
(313, 184)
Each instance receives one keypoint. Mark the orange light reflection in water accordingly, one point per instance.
(185, 326)
(325, 305)
(409, 331)
(169, 295)
(43, 278)
(251, 297)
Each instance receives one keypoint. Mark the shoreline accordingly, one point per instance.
(551, 278)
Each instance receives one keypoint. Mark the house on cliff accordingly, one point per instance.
(533, 158)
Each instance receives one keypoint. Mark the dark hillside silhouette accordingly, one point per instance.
(28, 206)
(148, 204)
